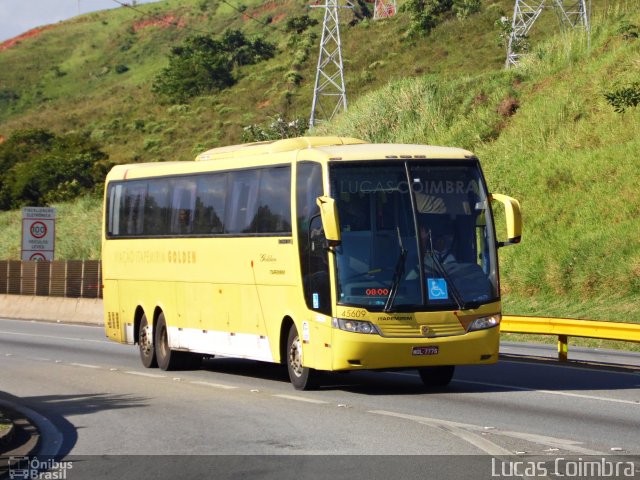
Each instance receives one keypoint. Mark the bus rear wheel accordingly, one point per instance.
(146, 344)
(172, 359)
(440, 376)
(302, 378)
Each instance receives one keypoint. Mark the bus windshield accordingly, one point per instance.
(416, 235)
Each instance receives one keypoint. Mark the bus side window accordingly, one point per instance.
(242, 201)
(183, 203)
(113, 209)
(210, 203)
(274, 200)
(134, 201)
(156, 207)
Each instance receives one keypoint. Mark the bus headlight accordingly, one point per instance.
(355, 326)
(485, 322)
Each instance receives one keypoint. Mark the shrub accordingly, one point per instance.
(37, 167)
(203, 65)
(465, 8)
(300, 24)
(276, 130)
(624, 97)
(424, 15)
(629, 31)
(293, 77)
(8, 96)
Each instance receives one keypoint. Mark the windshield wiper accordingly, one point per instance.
(397, 275)
(442, 271)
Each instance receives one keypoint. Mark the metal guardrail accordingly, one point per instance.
(568, 327)
(58, 278)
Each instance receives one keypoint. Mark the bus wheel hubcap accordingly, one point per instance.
(295, 357)
(145, 340)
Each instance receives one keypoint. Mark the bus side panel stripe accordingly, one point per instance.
(212, 342)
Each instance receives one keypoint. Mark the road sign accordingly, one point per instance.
(38, 233)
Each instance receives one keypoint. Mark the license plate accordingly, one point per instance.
(425, 350)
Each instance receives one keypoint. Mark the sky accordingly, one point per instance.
(19, 16)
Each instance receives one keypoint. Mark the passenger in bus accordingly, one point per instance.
(438, 238)
(184, 221)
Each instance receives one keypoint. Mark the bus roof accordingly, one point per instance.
(301, 148)
(346, 148)
(275, 146)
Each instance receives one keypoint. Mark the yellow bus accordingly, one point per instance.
(321, 253)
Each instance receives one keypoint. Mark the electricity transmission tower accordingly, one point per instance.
(384, 9)
(571, 14)
(329, 94)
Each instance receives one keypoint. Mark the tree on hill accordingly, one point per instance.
(37, 168)
(425, 15)
(203, 65)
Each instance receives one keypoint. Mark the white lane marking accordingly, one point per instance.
(527, 389)
(85, 365)
(144, 374)
(552, 392)
(58, 322)
(57, 337)
(573, 366)
(560, 443)
(300, 399)
(459, 430)
(214, 385)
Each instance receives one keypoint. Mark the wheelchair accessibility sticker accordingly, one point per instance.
(437, 288)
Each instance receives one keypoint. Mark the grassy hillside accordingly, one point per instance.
(545, 132)
(66, 77)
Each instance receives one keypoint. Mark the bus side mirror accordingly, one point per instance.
(330, 223)
(514, 218)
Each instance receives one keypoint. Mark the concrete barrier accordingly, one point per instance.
(53, 309)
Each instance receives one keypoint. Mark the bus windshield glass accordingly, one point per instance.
(416, 235)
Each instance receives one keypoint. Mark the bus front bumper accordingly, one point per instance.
(355, 351)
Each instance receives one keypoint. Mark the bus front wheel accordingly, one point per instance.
(439, 376)
(302, 378)
(145, 342)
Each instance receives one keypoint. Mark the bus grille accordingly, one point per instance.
(413, 330)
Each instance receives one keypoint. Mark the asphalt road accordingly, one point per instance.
(98, 403)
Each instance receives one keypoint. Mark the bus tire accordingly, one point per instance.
(440, 376)
(146, 344)
(167, 359)
(302, 378)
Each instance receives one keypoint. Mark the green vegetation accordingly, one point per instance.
(277, 129)
(37, 168)
(625, 97)
(202, 65)
(559, 133)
